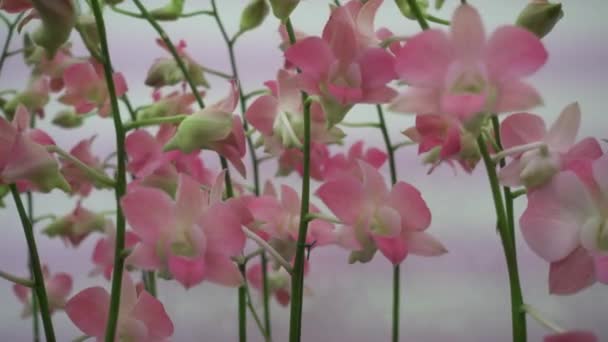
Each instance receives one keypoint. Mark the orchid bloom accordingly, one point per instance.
(572, 336)
(193, 237)
(565, 224)
(86, 88)
(214, 128)
(341, 164)
(24, 157)
(466, 74)
(341, 66)
(279, 218)
(80, 182)
(141, 318)
(53, 67)
(291, 159)
(58, 287)
(375, 218)
(156, 168)
(279, 281)
(166, 72)
(74, 227)
(103, 253)
(34, 97)
(556, 148)
(442, 139)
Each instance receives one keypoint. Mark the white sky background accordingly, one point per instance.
(462, 296)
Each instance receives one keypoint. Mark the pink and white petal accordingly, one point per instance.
(59, 286)
(601, 268)
(131, 329)
(189, 201)
(150, 219)
(522, 128)
(223, 271)
(515, 96)
(467, 33)
(510, 175)
(228, 103)
(340, 35)
(513, 52)
(376, 66)
(344, 197)
(39, 136)
(600, 174)
(21, 119)
(265, 208)
(222, 228)
(187, 271)
(345, 94)
(144, 256)
(128, 293)
(120, 84)
(88, 310)
(347, 238)
(289, 96)
(320, 233)
(395, 249)
(312, 55)
(80, 76)
(374, 185)
(463, 106)
(375, 157)
(562, 134)
(386, 222)
(572, 274)
(572, 336)
(424, 244)
(290, 199)
(417, 100)
(365, 17)
(555, 215)
(407, 200)
(22, 293)
(424, 59)
(262, 114)
(586, 149)
(382, 94)
(151, 312)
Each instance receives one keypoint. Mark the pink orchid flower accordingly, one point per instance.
(442, 139)
(572, 336)
(214, 128)
(15, 6)
(141, 318)
(565, 224)
(291, 159)
(86, 88)
(24, 157)
(103, 253)
(155, 168)
(467, 74)
(392, 221)
(341, 66)
(342, 164)
(193, 237)
(74, 227)
(79, 181)
(58, 287)
(279, 281)
(54, 67)
(279, 218)
(556, 151)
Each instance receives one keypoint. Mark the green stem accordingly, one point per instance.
(506, 190)
(360, 124)
(149, 280)
(393, 170)
(254, 314)
(195, 13)
(434, 19)
(184, 70)
(39, 289)
(255, 93)
(30, 215)
(538, 316)
(89, 171)
(418, 14)
(9, 37)
(242, 307)
(518, 317)
(121, 179)
(266, 295)
(216, 73)
(16, 280)
(154, 121)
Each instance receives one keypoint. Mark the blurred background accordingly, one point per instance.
(461, 296)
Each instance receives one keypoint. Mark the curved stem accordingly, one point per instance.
(39, 289)
(154, 121)
(216, 73)
(121, 179)
(509, 197)
(418, 14)
(195, 13)
(262, 243)
(9, 37)
(16, 280)
(518, 316)
(89, 171)
(266, 295)
(538, 316)
(437, 20)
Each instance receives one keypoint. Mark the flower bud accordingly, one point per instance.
(253, 15)
(58, 18)
(171, 11)
(200, 130)
(166, 72)
(439, 4)
(76, 226)
(34, 97)
(68, 119)
(405, 9)
(283, 8)
(540, 16)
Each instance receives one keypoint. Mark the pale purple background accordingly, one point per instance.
(462, 296)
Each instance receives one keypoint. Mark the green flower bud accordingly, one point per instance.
(86, 26)
(68, 119)
(58, 18)
(200, 130)
(4, 190)
(283, 8)
(540, 16)
(405, 9)
(439, 4)
(253, 15)
(171, 11)
(166, 72)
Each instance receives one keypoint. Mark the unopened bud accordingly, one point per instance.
(68, 119)
(253, 15)
(283, 8)
(171, 11)
(200, 130)
(540, 16)
(58, 18)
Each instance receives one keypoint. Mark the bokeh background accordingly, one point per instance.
(462, 296)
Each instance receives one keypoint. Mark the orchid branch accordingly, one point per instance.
(537, 315)
(17, 280)
(263, 244)
(7, 42)
(89, 171)
(154, 121)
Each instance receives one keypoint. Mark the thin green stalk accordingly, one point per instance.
(266, 295)
(418, 14)
(16, 280)
(39, 289)
(9, 37)
(121, 176)
(30, 215)
(506, 190)
(242, 308)
(195, 13)
(393, 170)
(154, 121)
(182, 67)
(149, 280)
(518, 316)
(437, 20)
